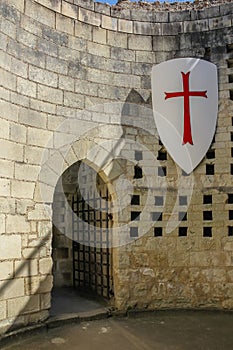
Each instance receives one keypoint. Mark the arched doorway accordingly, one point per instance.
(82, 219)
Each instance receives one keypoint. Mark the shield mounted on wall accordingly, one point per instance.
(185, 106)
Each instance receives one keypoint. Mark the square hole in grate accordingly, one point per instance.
(231, 169)
(207, 231)
(182, 231)
(182, 200)
(162, 155)
(138, 155)
(182, 216)
(159, 200)
(207, 199)
(232, 136)
(137, 172)
(230, 230)
(209, 169)
(135, 215)
(207, 215)
(133, 231)
(230, 198)
(231, 152)
(135, 200)
(162, 171)
(158, 231)
(157, 216)
(230, 214)
(210, 154)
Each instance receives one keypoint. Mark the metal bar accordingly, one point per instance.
(73, 245)
(101, 249)
(107, 247)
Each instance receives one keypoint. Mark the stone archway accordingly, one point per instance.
(82, 253)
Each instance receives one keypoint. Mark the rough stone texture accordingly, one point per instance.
(63, 62)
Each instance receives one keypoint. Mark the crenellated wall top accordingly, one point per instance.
(136, 18)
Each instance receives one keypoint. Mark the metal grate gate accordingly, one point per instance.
(91, 248)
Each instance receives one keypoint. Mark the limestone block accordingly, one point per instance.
(219, 22)
(51, 4)
(13, 289)
(4, 187)
(31, 25)
(109, 23)
(25, 268)
(2, 223)
(98, 49)
(18, 67)
(57, 65)
(45, 301)
(8, 80)
(89, 17)
(50, 94)
(17, 223)
(69, 10)
(42, 106)
(41, 212)
(117, 39)
(5, 60)
(45, 229)
(64, 24)
(66, 83)
(167, 43)
(83, 30)
(20, 189)
(196, 26)
(22, 305)
(140, 42)
(26, 38)
(26, 87)
(32, 118)
(172, 28)
(4, 129)
(127, 80)
(6, 270)
(26, 172)
(45, 266)
(102, 8)
(46, 284)
(125, 26)
(44, 77)
(122, 54)
(2, 310)
(39, 137)
(7, 205)
(86, 4)
(99, 35)
(40, 13)
(147, 28)
(33, 155)
(8, 28)
(18, 133)
(71, 100)
(45, 47)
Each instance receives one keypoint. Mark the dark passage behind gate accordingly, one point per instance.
(92, 259)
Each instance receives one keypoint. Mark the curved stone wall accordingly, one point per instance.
(59, 60)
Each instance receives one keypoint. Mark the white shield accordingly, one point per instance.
(185, 105)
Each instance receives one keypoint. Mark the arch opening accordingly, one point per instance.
(82, 221)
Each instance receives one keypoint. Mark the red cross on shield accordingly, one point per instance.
(185, 107)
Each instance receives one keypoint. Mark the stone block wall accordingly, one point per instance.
(66, 67)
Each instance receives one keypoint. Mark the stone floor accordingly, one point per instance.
(67, 301)
(162, 330)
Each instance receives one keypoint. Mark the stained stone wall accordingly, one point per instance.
(70, 70)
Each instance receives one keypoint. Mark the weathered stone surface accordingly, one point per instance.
(69, 70)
